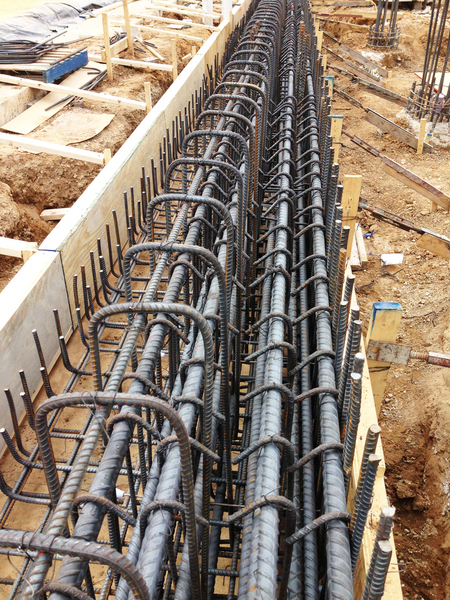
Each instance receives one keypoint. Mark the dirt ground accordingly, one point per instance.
(40, 181)
(415, 414)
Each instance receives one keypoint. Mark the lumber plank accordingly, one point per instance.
(353, 15)
(356, 70)
(364, 61)
(361, 246)
(40, 112)
(51, 87)
(53, 214)
(354, 25)
(355, 262)
(115, 49)
(17, 248)
(173, 8)
(19, 141)
(136, 64)
(176, 22)
(383, 327)
(382, 92)
(393, 129)
(416, 183)
(172, 33)
(350, 199)
(336, 132)
(434, 244)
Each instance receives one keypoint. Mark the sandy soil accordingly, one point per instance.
(415, 414)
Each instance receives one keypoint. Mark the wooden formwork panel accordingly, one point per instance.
(27, 303)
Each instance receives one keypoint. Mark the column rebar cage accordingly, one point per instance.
(429, 98)
(203, 445)
(385, 33)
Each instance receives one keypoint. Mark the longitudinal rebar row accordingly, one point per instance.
(220, 379)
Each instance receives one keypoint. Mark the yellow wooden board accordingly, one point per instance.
(37, 114)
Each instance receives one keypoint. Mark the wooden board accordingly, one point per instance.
(364, 61)
(382, 92)
(361, 246)
(94, 96)
(350, 199)
(395, 130)
(37, 114)
(136, 64)
(17, 248)
(54, 214)
(383, 327)
(355, 262)
(18, 141)
(175, 21)
(116, 48)
(170, 33)
(360, 71)
(416, 183)
(435, 245)
(335, 132)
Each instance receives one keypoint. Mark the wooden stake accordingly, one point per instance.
(174, 59)
(383, 327)
(350, 200)
(422, 131)
(109, 66)
(335, 132)
(207, 6)
(106, 155)
(126, 15)
(226, 9)
(319, 40)
(330, 79)
(193, 50)
(148, 96)
(324, 62)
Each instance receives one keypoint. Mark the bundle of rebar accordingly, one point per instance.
(430, 98)
(385, 33)
(221, 374)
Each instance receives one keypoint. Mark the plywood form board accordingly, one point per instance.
(76, 234)
(27, 303)
(393, 590)
(37, 114)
